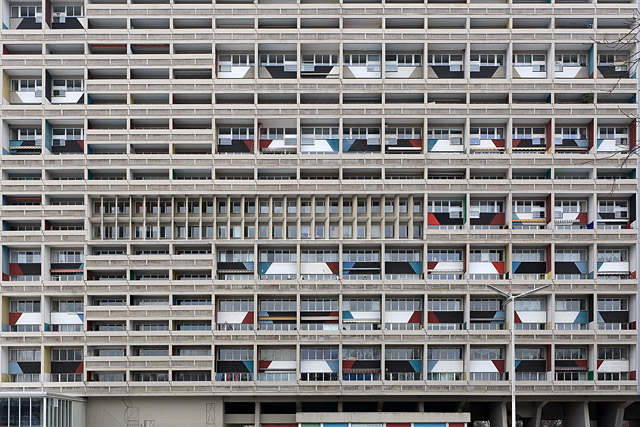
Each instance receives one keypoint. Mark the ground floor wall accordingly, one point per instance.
(365, 411)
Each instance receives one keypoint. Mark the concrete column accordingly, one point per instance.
(536, 416)
(576, 414)
(611, 414)
(498, 414)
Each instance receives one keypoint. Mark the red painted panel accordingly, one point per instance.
(498, 219)
(499, 266)
(334, 267)
(14, 317)
(432, 220)
(248, 319)
(416, 317)
(348, 364)
(431, 317)
(264, 364)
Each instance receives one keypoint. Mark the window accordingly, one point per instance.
(444, 353)
(66, 306)
(25, 257)
(27, 85)
(25, 11)
(67, 257)
(530, 304)
(486, 354)
(613, 353)
(24, 306)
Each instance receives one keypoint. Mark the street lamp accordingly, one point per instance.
(510, 298)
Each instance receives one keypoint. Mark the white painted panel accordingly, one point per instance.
(448, 266)
(315, 268)
(566, 316)
(282, 268)
(481, 267)
(282, 365)
(533, 316)
(482, 366)
(29, 319)
(314, 366)
(65, 319)
(448, 366)
(398, 316)
(230, 317)
(614, 366)
(614, 267)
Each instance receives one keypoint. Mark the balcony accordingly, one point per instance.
(320, 140)
(23, 16)
(445, 140)
(573, 66)
(614, 214)
(487, 214)
(487, 66)
(278, 140)
(278, 265)
(319, 363)
(446, 66)
(66, 17)
(235, 315)
(529, 264)
(403, 364)
(236, 140)
(235, 66)
(445, 214)
(487, 264)
(403, 264)
(67, 141)
(486, 140)
(572, 140)
(445, 314)
(67, 91)
(403, 66)
(361, 364)
(277, 364)
(361, 264)
(321, 314)
(319, 265)
(361, 140)
(613, 314)
(25, 90)
(403, 140)
(613, 65)
(571, 214)
(362, 66)
(614, 139)
(25, 146)
(277, 315)
(572, 264)
(319, 66)
(529, 66)
(278, 66)
(361, 314)
(403, 314)
(529, 140)
(613, 264)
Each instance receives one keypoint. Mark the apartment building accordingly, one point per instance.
(286, 213)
